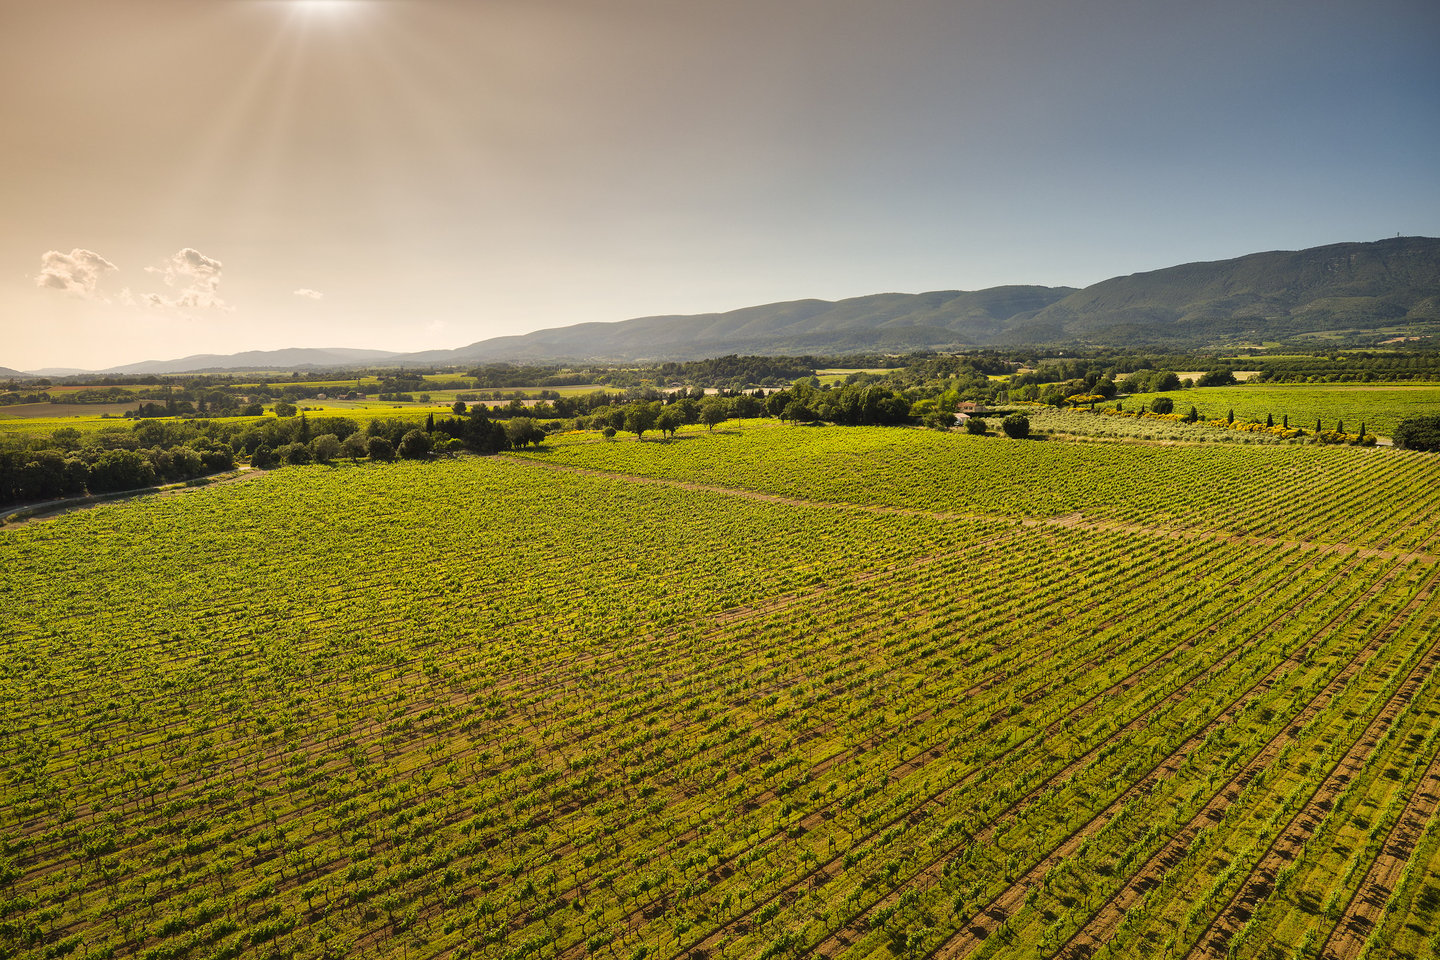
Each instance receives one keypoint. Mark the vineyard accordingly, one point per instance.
(771, 692)
(1378, 406)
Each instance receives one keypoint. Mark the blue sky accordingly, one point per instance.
(187, 177)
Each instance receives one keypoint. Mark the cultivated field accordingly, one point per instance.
(1380, 406)
(776, 692)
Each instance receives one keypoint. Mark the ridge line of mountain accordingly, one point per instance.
(1344, 292)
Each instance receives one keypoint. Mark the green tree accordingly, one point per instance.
(749, 406)
(714, 411)
(325, 447)
(415, 445)
(1418, 433)
(356, 446)
(120, 470)
(796, 411)
(523, 431)
(640, 417)
(976, 426)
(296, 453)
(669, 420)
(940, 420)
(380, 449)
(285, 409)
(1016, 426)
(1162, 405)
(688, 409)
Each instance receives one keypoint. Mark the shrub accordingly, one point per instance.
(415, 445)
(1162, 405)
(380, 449)
(1418, 433)
(1016, 426)
(325, 447)
(294, 453)
(976, 426)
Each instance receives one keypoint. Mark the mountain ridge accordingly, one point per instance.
(1359, 287)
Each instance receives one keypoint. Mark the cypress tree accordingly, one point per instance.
(1230, 417)
(1362, 429)
(1286, 421)
(1317, 424)
(1269, 420)
(1340, 426)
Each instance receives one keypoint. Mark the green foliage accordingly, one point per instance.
(1217, 377)
(714, 411)
(1016, 426)
(295, 454)
(325, 447)
(316, 710)
(1418, 433)
(379, 448)
(639, 418)
(522, 432)
(1381, 406)
(414, 445)
(669, 420)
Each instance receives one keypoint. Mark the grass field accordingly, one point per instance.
(1379, 406)
(779, 692)
(90, 422)
(62, 411)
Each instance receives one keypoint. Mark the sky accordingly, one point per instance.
(211, 176)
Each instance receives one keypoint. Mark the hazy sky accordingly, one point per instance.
(186, 176)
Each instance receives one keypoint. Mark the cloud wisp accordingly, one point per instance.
(77, 272)
(195, 276)
(309, 294)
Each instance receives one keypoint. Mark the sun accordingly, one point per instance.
(324, 6)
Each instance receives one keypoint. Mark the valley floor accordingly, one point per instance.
(764, 692)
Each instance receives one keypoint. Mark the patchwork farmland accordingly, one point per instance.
(769, 692)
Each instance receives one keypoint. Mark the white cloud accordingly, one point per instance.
(196, 276)
(309, 294)
(77, 272)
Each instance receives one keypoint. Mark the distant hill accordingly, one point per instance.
(1358, 290)
(295, 358)
(7, 372)
(1269, 296)
(1263, 296)
(891, 322)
